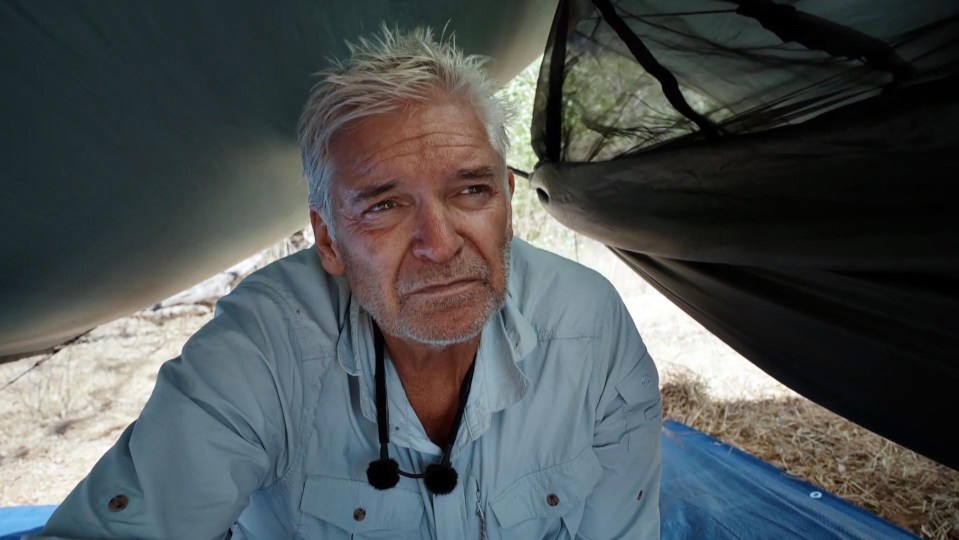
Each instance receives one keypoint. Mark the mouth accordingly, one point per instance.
(448, 288)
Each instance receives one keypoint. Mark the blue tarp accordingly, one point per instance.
(710, 490)
(715, 491)
(19, 520)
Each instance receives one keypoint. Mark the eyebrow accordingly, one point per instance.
(375, 190)
(477, 172)
(370, 192)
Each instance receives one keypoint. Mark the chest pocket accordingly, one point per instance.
(550, 494)
(359, 509)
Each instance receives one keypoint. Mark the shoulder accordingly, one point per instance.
(275, 332)
(297, 280)
(563, 300)
(291, 305)
(559, 297)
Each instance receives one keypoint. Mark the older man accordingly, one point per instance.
(420, 374)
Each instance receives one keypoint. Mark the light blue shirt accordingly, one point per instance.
(266, 423)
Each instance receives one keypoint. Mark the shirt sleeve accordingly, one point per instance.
(217, 427)
(625, 502)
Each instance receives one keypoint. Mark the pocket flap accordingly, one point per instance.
(641, 385)
(549, 492)
(357, 507)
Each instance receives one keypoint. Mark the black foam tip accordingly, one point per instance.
(383, 473)
(439, 479)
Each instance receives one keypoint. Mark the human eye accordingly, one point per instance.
(476, 189)
(381, 206)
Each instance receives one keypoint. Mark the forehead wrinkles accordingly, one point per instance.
(415, 140)
(449, 122)
(425, 145)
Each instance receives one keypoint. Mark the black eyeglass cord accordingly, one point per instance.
(384, 473)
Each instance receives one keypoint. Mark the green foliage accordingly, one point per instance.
(531, 222)
(611, 107)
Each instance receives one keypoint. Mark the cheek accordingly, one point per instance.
(378, 259)
(490, 231)
(502, 220)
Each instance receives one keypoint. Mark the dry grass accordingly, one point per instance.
(815, 444)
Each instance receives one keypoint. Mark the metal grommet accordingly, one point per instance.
(816, 495)
(118, 503)
(359, 514)
(552, 499)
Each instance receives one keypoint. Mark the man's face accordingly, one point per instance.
(423, 221)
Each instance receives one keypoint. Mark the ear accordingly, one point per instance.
(325, 246)
(511, 181)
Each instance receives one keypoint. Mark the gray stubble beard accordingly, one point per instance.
(423, 331)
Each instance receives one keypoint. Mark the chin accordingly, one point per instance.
(442, 328)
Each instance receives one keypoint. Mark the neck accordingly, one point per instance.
(418, 360)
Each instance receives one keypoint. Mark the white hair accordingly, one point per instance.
(382, 75)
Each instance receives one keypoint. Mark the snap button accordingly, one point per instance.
(118, 503)
(359, 514)
(552, 499)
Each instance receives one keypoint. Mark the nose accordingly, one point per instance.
(436, 238)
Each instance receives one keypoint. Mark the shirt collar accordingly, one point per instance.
(498, 381)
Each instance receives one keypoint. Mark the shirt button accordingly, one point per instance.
(359, 514)
(552, 499)
(118, 503)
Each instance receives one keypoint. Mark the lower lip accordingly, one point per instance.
(446, 290)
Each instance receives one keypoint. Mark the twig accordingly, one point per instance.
(56, 349)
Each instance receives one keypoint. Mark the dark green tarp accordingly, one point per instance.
(148, 145)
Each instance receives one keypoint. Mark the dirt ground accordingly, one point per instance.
(57, 420)
(60, 417)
